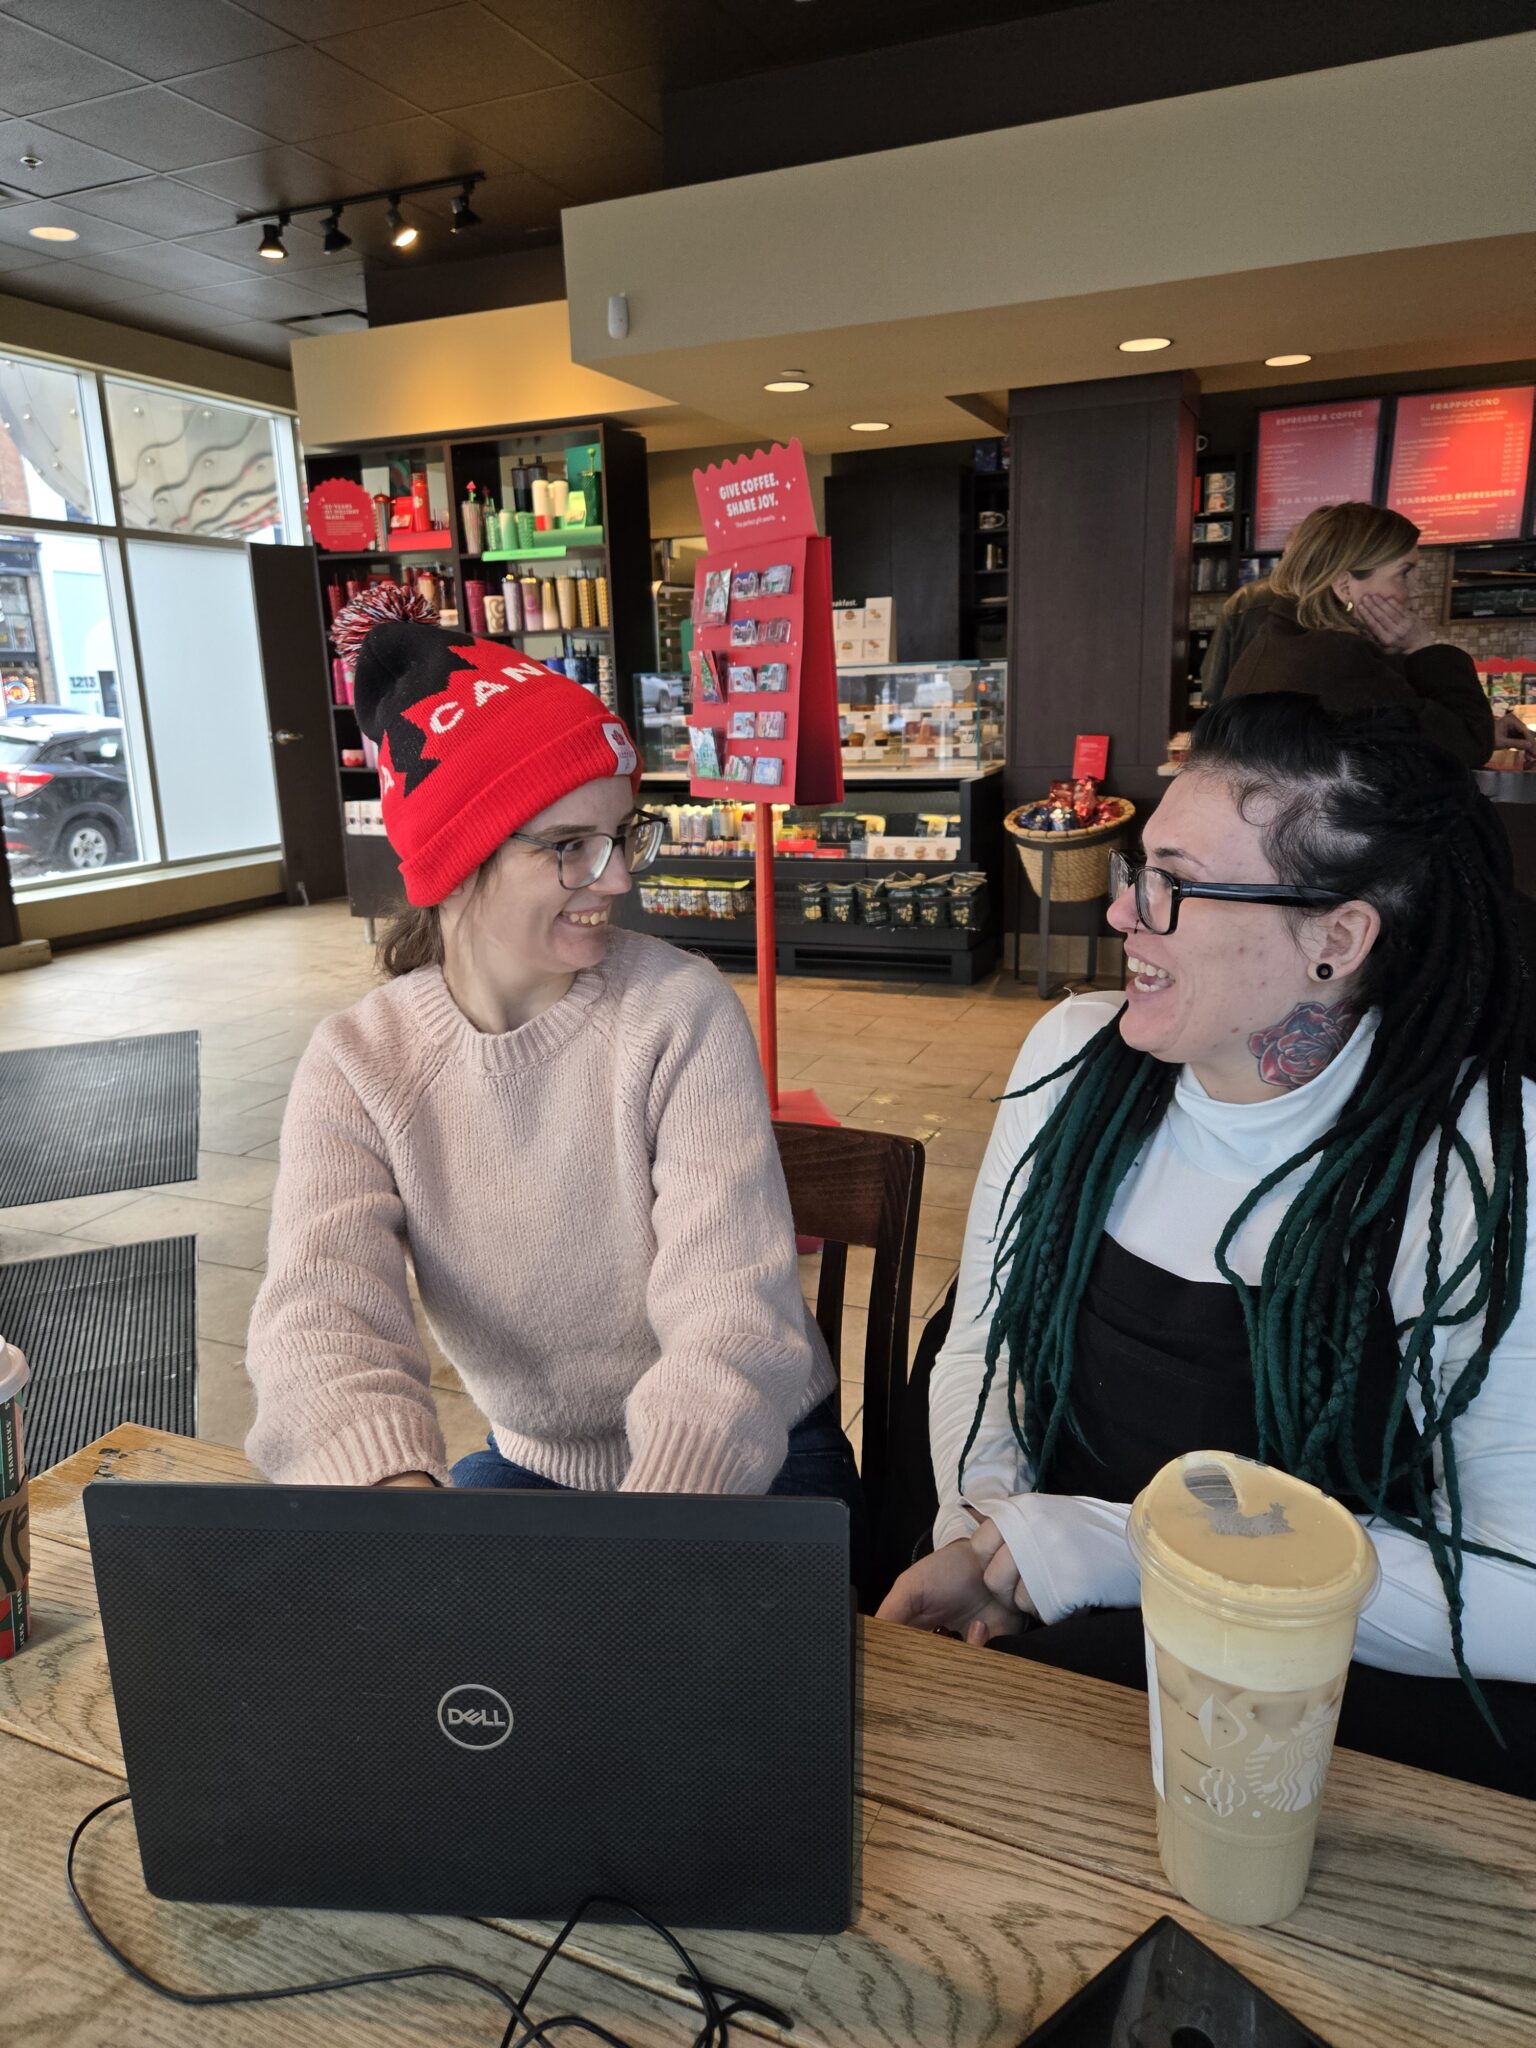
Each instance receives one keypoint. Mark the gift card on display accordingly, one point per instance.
(744, 725)
(776, 630)
(777, 581)
(744, 583)
(743, 632)
(768, 768)
(704, 753)
(773, 675)
(708, 678)
(738, 767)
(717, 597)
(742, 679)
(770, 724)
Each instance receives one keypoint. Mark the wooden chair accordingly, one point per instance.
(851, 1187)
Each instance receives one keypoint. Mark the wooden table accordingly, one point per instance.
(1008, 1853)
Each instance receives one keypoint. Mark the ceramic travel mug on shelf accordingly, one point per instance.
(1252, 1583)
(512, 592)
(559, 497)
(15, 1548)
(495, 611)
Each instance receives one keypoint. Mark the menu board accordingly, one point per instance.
(1311, 455)
(1459, 462)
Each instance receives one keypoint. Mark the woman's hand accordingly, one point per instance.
(971, 1587)
(1509, 731)
(1391, 624)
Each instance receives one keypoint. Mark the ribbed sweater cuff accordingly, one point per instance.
(679, 1459)
(378, 1445)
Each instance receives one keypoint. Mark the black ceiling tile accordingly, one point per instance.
(65, 166)
(167, 266)
(96, 236)
(270, 178)
(313, 19)
(240, 246)
(298, 93)
(260, 339)
(156, 206)
(267, 298)
(401, 151)
(155, 127)
(15, 259)
(601, 36)
(639, 90)
(571, 136)
(39, 71)
(75, 284)
(156, 38)
(460, 53)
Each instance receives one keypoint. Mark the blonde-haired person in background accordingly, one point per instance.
(1338, 626)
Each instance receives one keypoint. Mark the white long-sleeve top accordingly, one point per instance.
(1171, 1209)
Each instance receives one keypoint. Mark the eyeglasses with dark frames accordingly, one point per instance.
(583, 859)
(1159, 894)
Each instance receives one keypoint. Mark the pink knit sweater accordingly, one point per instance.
(598, 1223)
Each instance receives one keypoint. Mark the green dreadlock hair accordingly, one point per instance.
(1365, 808)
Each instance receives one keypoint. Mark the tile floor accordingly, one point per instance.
(920, 1061)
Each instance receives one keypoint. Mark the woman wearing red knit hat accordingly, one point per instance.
(561, 1123)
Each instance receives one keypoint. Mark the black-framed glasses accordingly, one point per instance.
(583, 859)
(1159, 894)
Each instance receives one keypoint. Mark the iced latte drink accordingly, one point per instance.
(1251, 1585)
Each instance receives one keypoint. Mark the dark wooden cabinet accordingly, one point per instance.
(899, 533)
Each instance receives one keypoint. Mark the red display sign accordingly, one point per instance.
(1311, 455)
(340, 515)
(764, 723)
(1459, 462)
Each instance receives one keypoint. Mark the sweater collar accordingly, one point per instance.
(1244, 1141)
(507, 1052)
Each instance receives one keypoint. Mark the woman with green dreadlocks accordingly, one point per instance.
(1275, 1202)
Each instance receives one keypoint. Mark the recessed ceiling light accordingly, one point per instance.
(869, 426)
(1285, 362)
(1145, 344)
(53, 234)
(789, 380)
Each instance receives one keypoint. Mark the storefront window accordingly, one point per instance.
(44, 470)
(191, 467)
(67, 798)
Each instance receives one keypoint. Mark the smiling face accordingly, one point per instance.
(1229, 973)
(521, 926)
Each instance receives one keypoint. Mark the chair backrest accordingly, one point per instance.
(851, 1187)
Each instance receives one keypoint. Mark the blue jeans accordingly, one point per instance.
(818, 1463)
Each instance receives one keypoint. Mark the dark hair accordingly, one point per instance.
(412, 938)
(1362, 806)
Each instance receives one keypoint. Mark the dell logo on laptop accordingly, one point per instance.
(474, 1716)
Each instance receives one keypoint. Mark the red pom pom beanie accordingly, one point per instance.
(474, 740)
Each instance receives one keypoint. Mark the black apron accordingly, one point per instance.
(1162, 1368)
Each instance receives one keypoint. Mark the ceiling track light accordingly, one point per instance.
(464, 215)
(402, 233)
(272, 240)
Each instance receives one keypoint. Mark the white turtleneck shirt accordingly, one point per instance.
(1199, 1164)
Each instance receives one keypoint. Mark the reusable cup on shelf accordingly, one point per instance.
(1251, 1586)
(559, 498)
(15, 1552)
(524, 523)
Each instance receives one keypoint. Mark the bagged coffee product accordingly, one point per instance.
(968, 901)
(813, 901)
(901, 898)
(874, 905)
(933, 903)
(842, 903)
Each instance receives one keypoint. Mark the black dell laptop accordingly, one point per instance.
(484, 1703)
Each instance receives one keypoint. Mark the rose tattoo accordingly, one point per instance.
(1297, 1049)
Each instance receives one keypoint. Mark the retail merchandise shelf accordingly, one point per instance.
(881, 952)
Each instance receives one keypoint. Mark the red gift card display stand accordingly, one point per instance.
(764, 723)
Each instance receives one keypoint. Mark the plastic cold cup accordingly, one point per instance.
(14, 1545)
(1251, 1586)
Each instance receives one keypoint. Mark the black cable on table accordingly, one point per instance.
(717, 2014)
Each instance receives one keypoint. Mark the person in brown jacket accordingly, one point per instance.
(1338, 626)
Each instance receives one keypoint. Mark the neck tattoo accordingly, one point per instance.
(1297, 1049)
